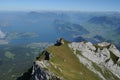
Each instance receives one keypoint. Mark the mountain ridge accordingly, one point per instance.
(71, 61)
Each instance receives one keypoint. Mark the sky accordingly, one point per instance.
(60, 5)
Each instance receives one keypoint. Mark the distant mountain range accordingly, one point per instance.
(81, 24)
(67, 28)
(106, 20)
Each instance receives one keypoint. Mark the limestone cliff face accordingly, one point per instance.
(104, 55)
(40, 72)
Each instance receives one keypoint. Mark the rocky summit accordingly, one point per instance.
(77, 61)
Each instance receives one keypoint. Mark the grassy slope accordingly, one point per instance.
(72, 69)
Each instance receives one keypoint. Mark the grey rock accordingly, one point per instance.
(101, 56)
(40, 72)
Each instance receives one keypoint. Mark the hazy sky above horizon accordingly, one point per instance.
(64, 5)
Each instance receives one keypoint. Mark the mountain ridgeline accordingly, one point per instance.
(76, 61)
(67, 28)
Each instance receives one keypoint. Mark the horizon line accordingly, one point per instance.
(53, 11)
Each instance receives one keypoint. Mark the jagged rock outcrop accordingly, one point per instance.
(40, 72)
(104, 55)
(40, 69)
